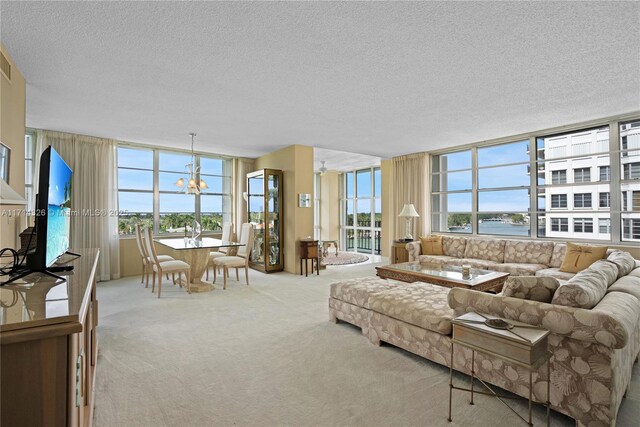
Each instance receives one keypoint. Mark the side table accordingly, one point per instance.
(514, 342)
(399, 252)
(309, 251)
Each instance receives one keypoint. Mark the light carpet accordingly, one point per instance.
(266, 355)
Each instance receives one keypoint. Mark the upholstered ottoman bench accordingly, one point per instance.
(414, 316)
(349, 299)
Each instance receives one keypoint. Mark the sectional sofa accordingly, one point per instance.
(594, 317)
(517, 257)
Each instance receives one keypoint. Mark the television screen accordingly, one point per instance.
(58, 214)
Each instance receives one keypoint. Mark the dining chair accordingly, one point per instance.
(241, 260)
(227, 232)
(173, 266)
(146, 259)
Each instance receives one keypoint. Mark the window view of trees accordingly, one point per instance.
(147, 190)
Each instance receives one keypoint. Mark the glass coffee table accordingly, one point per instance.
(449, 276)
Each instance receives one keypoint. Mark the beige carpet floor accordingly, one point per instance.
(266, 355)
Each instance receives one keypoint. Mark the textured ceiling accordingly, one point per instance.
(377, 78)
(341, 161)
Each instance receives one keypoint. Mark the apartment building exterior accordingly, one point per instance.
(576, 171)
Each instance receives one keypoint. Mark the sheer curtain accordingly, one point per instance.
(410, 184)
(94, 194)
(241, 168)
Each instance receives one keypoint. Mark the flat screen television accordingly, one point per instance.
(53, 211)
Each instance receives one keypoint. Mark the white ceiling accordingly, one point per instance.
(342, 161)
(381, 78)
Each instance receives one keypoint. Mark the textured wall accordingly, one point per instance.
(330, 206)
(296, 161)
(12, 123)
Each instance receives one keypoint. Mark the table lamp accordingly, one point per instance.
(408, 212)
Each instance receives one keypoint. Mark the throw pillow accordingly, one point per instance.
(625, 262)
(584, 290)
(531, 288)
(579, 257)
(431, 245)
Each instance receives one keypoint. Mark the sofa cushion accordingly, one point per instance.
(528, 252)
(454, 246)
(625, 262)
(517, 269)
(627, 284)
(431, 245)
(419, 304)
(559, 249)
(435, 259)
(357, 291)
(474, 263)
(608, 269)
(635, 272)
(584, 290)
(554, 272)
(489, 249)
(531, 288)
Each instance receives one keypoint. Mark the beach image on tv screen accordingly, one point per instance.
(59, 208)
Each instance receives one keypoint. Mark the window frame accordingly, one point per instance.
(584, 173)
(156, 192)
(561, 223)
(352, 199)
(560, 198)
(583, 198)
(612, 149)
(562, 176)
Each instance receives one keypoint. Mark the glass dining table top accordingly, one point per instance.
(183, 243)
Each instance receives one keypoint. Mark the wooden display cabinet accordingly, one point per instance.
(264, 203)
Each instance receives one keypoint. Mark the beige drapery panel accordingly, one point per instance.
(410, 184)
(94, 188)
(241, 167)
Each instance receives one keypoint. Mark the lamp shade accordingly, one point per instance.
(409, 211)
(8, 196)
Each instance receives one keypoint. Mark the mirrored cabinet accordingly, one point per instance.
(264, 202)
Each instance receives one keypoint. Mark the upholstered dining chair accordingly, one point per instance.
(241, 260)
(227, 236)
(159, 268)
(146, 259)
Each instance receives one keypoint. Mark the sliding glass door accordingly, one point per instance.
(361, 213)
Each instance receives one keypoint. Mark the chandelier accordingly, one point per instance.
(193, 185)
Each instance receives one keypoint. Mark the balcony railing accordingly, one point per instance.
(364, 241)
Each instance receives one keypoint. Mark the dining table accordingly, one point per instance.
(196, 253)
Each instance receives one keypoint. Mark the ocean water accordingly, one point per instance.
(498, 228)
(58, 225)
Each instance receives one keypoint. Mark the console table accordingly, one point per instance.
(48, 347)
(516, 343)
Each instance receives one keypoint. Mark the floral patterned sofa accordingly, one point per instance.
(517, 257)
(594, 318)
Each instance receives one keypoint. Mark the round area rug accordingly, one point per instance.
(343, 258)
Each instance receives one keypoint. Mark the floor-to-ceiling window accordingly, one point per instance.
(147, 191)
(361, 217)
(582, 183)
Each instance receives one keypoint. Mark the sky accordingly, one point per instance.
(59, 175)
(363, 181)
(174, 165)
